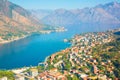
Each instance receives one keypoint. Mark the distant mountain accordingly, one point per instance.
(102, 14)
(112, 8)
(40, 13)
(16, 21)
(60, 16)
(95, 15)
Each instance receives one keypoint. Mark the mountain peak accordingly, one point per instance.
(111, 4)
(115, 3)
(60, 11)
(103, 14)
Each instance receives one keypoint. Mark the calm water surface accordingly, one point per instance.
(34, 49)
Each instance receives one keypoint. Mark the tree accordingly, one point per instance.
(75, 77)
(69, 77)
(8, 74)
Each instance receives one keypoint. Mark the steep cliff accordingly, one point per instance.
(102, 14)
(15, 21)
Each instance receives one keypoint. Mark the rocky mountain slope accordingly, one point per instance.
(102, 14)
(15, 21)
(40, 13)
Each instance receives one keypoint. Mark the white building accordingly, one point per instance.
(33, 72)
(19, 77)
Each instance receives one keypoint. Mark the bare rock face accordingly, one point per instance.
(16, 21)
(103, 14)
(4, 7)
(113, 9)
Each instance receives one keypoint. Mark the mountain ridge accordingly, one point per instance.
(16, 21)
(103, 14)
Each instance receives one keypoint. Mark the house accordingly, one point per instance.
(33, 72)
(102, 77)
(19, 77)
(92, 78)
(95, 69)
(84, 76)
(54, 70)
(58, 63)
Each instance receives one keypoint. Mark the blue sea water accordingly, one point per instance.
(30, 50)
(34, 49)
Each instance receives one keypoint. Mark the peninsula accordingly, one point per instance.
(92, 56)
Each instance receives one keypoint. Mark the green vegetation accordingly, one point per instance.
(102, 59)
(109, 51)
(75, 77)
(68, 65)
(49, 27)
(40, 68)
(69, 77)
(7, 74)
(72, 78)
(10, 35)
(50, 67)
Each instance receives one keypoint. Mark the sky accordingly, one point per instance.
(55, 4)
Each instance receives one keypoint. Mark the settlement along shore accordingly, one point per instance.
(89, 58)
(15, 38)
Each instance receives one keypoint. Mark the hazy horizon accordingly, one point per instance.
(54, 4)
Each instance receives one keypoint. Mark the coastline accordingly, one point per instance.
(65, 57)
(15, 39)
(24, 36)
